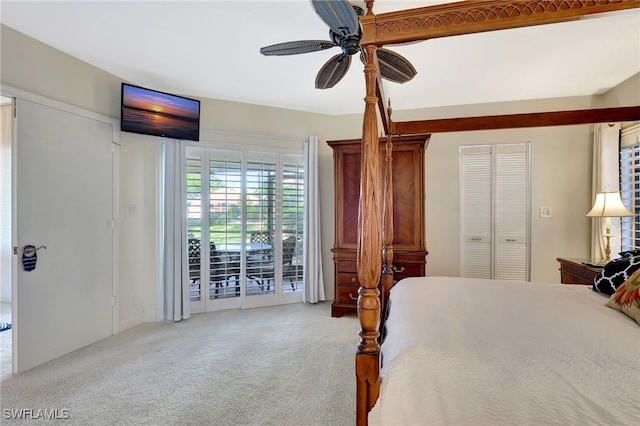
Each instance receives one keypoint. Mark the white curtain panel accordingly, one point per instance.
(606, 178)
(313, 290)
(176, 283)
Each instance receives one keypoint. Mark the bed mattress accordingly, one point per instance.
(462, 351)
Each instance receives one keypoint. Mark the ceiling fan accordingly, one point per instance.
(345, 32)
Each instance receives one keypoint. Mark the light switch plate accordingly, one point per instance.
(545, 211)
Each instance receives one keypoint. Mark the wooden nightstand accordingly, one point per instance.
(574, 271)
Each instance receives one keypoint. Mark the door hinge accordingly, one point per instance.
(113, 301)
(15, 250)
(15, 108)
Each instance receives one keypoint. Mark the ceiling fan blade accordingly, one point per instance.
(338, 15)
(296, 47)
(333, 71)
(394, 67)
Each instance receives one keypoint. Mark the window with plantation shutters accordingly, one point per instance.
(194, 224)
(261, 197)
(213, 203)
(293, 223)
(245, 216)
(223, 219)
(630, 186)
(261, 176)
(494, 189)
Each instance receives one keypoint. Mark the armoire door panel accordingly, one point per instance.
(351, 195)
(408, 162)
(407, 205)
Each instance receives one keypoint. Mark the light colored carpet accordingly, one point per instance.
(282, 365)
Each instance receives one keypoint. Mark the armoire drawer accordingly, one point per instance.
(408, 269)
(347, 266)
(343, 278)
(346, 294)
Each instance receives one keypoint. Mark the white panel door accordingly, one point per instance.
(63, 199)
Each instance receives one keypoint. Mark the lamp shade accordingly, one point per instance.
(608, 204)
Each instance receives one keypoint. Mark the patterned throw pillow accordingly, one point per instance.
(614, 273)
(628, 253)
(627, 297)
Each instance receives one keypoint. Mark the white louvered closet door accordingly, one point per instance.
(511, 212)
(476, 209)
(495, 211)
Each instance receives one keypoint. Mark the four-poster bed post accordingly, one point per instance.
(369, 247)
(375, 221)
(386, 280)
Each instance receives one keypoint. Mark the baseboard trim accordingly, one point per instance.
(131, 322)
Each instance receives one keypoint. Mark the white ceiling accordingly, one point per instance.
(211, 49)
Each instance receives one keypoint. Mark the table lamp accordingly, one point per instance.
(608, 205)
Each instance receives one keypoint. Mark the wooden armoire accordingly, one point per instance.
(408, 214)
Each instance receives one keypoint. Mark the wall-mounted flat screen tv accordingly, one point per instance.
(150, 112)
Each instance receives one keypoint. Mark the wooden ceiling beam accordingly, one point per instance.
(476, 16)
(510, 121)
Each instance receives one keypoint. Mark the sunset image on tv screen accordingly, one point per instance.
(160, 114)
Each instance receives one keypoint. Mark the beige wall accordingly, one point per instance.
(561, 179)
(561, 160)
(626, 93)
(36, 68)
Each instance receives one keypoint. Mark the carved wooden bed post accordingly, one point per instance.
(386, 281)
(369, 249)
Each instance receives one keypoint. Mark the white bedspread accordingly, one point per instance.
(483, 352)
